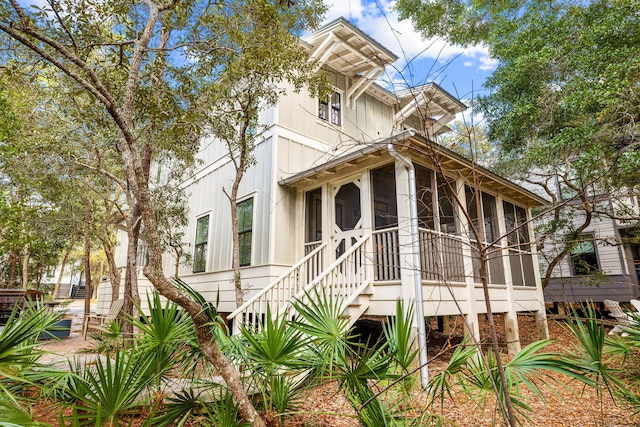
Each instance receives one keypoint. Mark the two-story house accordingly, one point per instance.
(351, 193)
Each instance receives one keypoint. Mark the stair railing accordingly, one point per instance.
(344, 279)
(281, 291)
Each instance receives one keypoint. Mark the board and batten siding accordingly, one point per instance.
(371, 119)
(609, 255)
(207, 197)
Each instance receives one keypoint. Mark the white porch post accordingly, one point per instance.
(366, 214)
(541, 314)
(471, 316)
(327, 222)
(511, 316)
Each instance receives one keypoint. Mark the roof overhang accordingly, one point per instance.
(435, 105)
(418, 147)
(342, 47)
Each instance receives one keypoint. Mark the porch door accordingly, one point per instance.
(347, 227)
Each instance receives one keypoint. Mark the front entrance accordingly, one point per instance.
(347, 227)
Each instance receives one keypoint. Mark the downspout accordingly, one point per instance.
(417, 277)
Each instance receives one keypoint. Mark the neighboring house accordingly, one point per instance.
(604, 261)
(71, 279)
(329, 204)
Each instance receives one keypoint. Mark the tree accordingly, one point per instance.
(144, 67)
(563, 104)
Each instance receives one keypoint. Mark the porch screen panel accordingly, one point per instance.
(385, 205)
(313, 211)
(520, 258)
(446, 205)
(441, 257)
(385, 220)
(490, 218)
(424, 196)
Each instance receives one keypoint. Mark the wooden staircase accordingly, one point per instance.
(349, 279)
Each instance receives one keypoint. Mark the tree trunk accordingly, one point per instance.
(131, 295)
(13, 266)
(87, 264)
(25, 267)
(154, 273)
(65, 258)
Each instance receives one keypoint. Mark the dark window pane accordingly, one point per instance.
(491, 232)
(584, 259)
(335, 109)
(510, 223)
(314, 215)
(424, 194)
(385, 206)
(200, 249)
(523, 229)
(446, 204)
(245, 230)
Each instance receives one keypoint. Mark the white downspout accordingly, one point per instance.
(417, 276)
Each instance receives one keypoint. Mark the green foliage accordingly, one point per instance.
(564, 86)
(401, 342)
(19, 352)
(477, 375)
(336, 356)
(275, 356)
(163, 335)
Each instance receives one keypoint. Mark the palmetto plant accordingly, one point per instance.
(476, 374)
(338, 356)
(402, 343)
(111, 390)
(594, 358)
(19, 355)
(277, 358)
(163, 335)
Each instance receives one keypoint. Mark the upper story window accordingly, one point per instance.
(584, 258)
(245, 230)
(200, 251)
(330, 109)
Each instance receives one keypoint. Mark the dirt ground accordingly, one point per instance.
(569, 406)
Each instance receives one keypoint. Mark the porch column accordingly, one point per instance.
(366, 207)
(471, 315)
(541, 314)
(327, 222)
(407, 267)
(511, 316)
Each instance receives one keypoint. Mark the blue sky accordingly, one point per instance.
(460, 71)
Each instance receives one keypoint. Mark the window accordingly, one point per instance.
(330, 109)
(515, 219)
(583, 258)
(200, 252)
(245, 230)
(142, 256)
